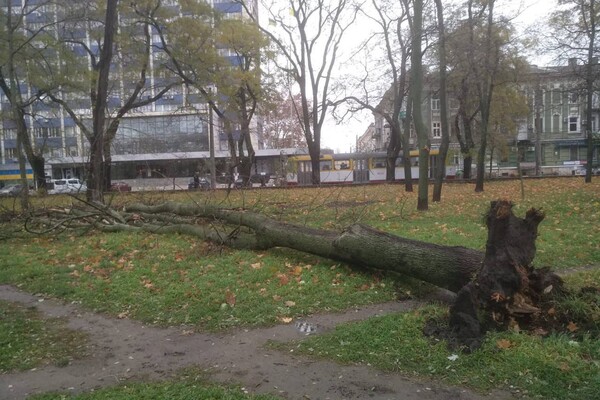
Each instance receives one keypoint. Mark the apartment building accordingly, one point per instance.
(552, 137)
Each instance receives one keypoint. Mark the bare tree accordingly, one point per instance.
(574, 35)
(312, 31)
(24, 59)
(391, 22)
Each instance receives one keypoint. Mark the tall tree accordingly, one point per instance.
(24, 54)
(240, 85)
(440, 171)
(574, 35)
(219, 58)
(391, 22)
(485, 75)
(312, 31)
(99, 101)
(416, 73)
(119, 72)
(483, 55)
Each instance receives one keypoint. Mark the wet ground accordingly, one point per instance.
(121, 350)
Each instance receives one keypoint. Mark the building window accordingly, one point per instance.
(556, 97)
(10, 154)
(10, 134)
(436, 129)
(573, 98)
(435, 104)
(573, 124)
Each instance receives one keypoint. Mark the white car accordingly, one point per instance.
(67, 186)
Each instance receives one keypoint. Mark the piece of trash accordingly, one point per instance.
(306, 328)
(453, 357)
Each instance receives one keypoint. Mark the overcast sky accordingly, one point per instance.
(342, 138)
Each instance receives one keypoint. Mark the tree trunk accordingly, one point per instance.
(405, 137)
(444, 266)
(440, 171)
(507, 290)
(416, 88)
(393, 150)
(96, 173)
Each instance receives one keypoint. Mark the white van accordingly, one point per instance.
(71, 185)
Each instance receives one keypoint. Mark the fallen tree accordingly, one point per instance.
(497, 289)
(443, 266)
(507, 292)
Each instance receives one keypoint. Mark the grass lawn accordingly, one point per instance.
(170, 280)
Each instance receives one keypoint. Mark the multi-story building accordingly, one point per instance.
(168, 137)
(556, 125)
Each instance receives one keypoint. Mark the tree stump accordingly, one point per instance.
(507, 290)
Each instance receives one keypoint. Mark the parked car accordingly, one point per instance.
(59, 186)
(11, 190)
(120, 187)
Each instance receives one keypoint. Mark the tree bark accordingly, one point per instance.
(440, 171)
(444, 266)
(507, 290)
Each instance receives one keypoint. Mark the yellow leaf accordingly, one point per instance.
(297, 271)
(290, 303)
(572, 327)
(286, 320)
(504, 344)
(256, 265)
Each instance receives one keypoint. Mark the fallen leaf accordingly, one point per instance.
(147, 284)
(572, 326)
(497, 297)
(230, 297)
(123, 315)
(551, 311)
(564, 367)
(504, 344)
(256, 265)
(286, 320)
(290, 303)
(283, 279)
(276, 297)
(297, 271)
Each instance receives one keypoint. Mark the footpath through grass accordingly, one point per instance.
(172, 280)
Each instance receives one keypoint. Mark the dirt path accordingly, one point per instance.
(123, 349)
